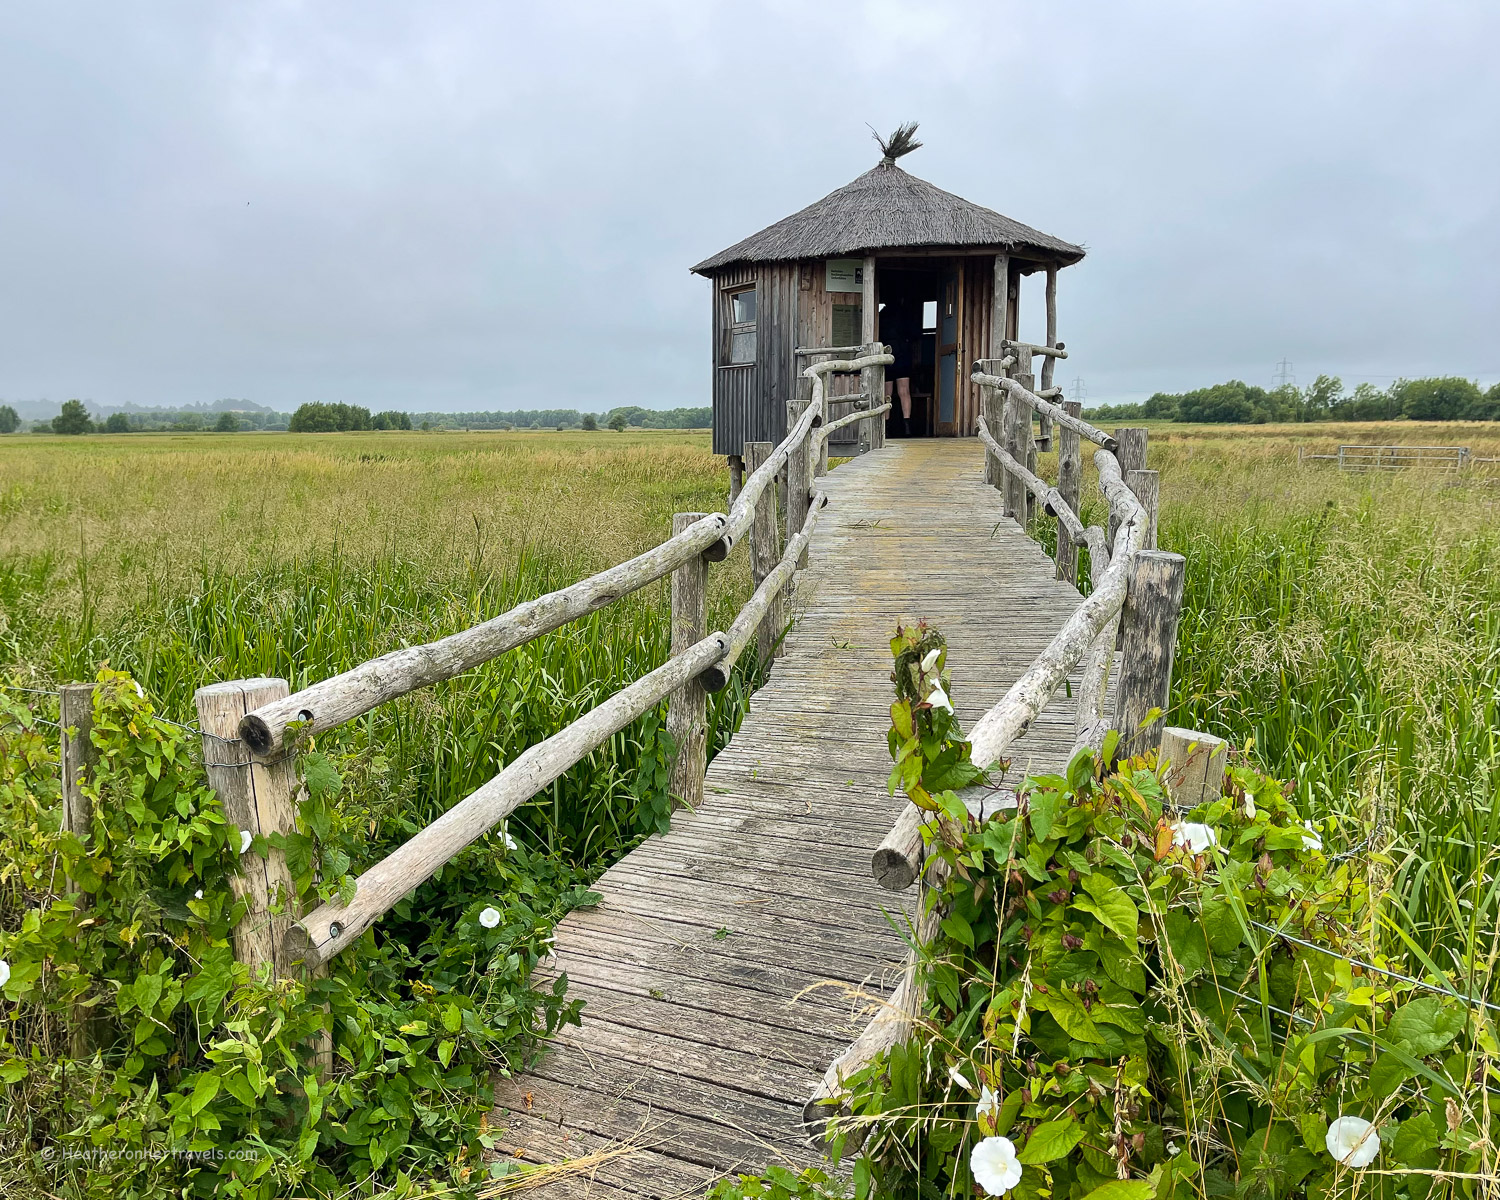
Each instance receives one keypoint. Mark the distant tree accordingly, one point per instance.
(9, 421)
(329, 418)
(73, 419)
(505, 425)
(390, 420)
(1449, 398)
(1160, 406)
(561, 425)
(1487, 407)
(426, 425)
(227, 423)
(590, 422)
(619, 422)
(117, 423)
(1224, 403)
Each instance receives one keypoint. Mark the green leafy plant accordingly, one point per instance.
(141, 1059)
(1125, 1001)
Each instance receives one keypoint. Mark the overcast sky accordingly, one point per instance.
(494, 206)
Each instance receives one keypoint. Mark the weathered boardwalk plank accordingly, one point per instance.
(700, 1039)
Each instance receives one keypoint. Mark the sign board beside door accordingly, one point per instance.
(844, 275)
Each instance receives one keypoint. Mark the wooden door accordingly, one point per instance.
(949, 322)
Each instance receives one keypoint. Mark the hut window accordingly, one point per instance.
(742, 326)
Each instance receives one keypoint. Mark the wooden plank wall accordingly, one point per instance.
(974, 337)
(734, 388)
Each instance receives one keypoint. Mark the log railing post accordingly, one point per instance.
(1195, 765)
(1020, 501)
(76, 717)
(765, 553)
(1147, 488)
(993, 408)
(872, 383)
(1130, 452)
(687, 706)
(258, 798)
(736, 477)
(1069, 484)
(1044, 438)
(1148, 624)
(798, 476)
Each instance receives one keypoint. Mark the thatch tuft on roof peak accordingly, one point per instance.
(888, 208)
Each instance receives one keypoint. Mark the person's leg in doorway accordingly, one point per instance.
(902, 389)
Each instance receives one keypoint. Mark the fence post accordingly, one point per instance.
(1148, 624)
(1195, 765)
(820, 463)
(1147, 488)
(1021, 502)
(798, 477)
(872, 383)
(1069, 484)
(687, 707)
(992, 405)
(258, 798)
(1049, 364)
(764, 555)
(76, 714)
(736, 477)
(1131, 454)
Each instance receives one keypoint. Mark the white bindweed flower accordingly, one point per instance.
(1353, 1141)
(198, 895)
(140, 691)
(1310, 840)
(989, 1104)
(1194, 837)
(1249, 807)
(1172, 1149)
(490, 917)
(930, 661)
(959, 1078)
(246, 837)
(994, 1165)
(939, 698)
(4, 972)
(510, 842)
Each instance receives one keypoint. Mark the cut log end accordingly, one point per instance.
(719, 551)
(256, 734)
(302, 950)
(893, 868)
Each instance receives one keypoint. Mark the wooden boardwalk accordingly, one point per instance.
(706, 1029)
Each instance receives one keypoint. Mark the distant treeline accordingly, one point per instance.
(1448, 398)
(344, 418)
(570, 418)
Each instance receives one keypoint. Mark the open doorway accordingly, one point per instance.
(909, 324)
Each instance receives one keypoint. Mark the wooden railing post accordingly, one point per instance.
(1049, 363)
(993, 407)
(1130, 453)
(687, 707)
(258, 798)
(1148, 623)
(1147, 488)
(798, 476)
(736, 477)
(76, 717)
(1195, 765)
(765, 553)
(1019, 501)
(872, 383)
(1069, 484)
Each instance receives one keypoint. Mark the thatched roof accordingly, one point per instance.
(887, 208)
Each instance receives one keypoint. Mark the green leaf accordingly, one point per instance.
(1389, 1072)
(956, 927)
(1123, 1189)
(320, 775)
(1185, 936)
(1043, 807)
(204, 1090)
(1069, 1012)
(1050, 1140)
(1107, 901)
(1221, 926)
(1425, 1026)
(445, 1051)
(453, 1019)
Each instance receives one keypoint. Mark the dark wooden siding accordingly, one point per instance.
(734, 388)
(978, 305)
(776, 339)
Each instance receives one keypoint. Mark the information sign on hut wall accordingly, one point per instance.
(845, 275)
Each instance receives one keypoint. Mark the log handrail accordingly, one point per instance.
(334, 926)
(1058, 414)
(340, 698)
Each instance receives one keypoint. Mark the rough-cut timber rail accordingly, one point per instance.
(700, 1040)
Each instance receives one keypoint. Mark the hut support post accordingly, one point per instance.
(687, 707)
(1019, 500)
(736, 477)
(869, 316)
(1148, 623)
(765, 553)
(1069, 484)
(1044, 438)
